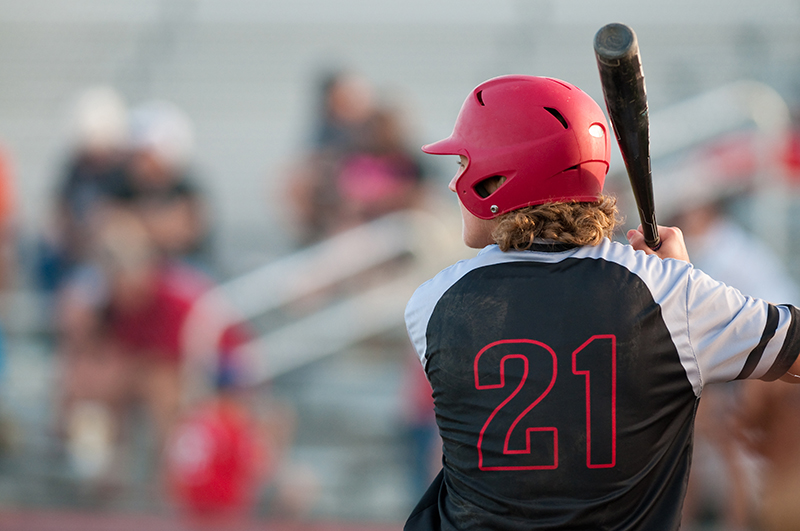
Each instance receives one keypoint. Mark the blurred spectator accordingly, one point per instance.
(159, 186)
(358, 166)
(769, 428)
(347, 102)
(149, 298)
(228, 455)
(98, 123)
(345, 105)
(120, 321)
(380, 178)
(217, 458)
(8, 222)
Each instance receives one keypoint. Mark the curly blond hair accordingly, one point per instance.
(577, 223)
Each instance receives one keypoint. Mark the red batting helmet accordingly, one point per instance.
(548, 138)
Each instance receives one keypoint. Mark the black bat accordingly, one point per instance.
(617, 51)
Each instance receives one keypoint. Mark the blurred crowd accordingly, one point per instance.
(125, 259)
(128, 255)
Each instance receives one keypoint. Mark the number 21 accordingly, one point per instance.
(591, 361)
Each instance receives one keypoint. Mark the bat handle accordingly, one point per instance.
(656, 245)
(650, 231)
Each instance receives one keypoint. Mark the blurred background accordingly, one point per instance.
(212, 214)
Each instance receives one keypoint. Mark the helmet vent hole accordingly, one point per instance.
(481, 190)
(488, 186)
(479, 95)
(557, 116)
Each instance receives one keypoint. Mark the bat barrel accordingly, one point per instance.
(617, 51)
(615, 43)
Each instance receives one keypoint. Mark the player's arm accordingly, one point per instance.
(672, 243)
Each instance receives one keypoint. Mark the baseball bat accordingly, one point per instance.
(617, 51)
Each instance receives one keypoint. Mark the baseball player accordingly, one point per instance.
(566, 367)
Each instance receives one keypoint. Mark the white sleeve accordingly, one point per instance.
(734, 336)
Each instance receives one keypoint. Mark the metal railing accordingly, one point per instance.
(381, 262)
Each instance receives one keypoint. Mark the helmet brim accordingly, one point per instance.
(447, 146)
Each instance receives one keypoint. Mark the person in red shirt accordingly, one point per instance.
(149, 301)
(121, 323)
(217, 456)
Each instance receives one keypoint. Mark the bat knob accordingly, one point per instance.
(614, 42)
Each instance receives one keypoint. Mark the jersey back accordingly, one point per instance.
(560, 395)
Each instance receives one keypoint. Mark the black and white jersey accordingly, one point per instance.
(565, 381)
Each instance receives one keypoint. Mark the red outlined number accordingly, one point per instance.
(597, 356)
(487, 356)
(595, 361)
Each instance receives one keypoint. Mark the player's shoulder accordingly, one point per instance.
(426, 297)
(652, 269)
(441, 282)
(646, 266)
(432, 290)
